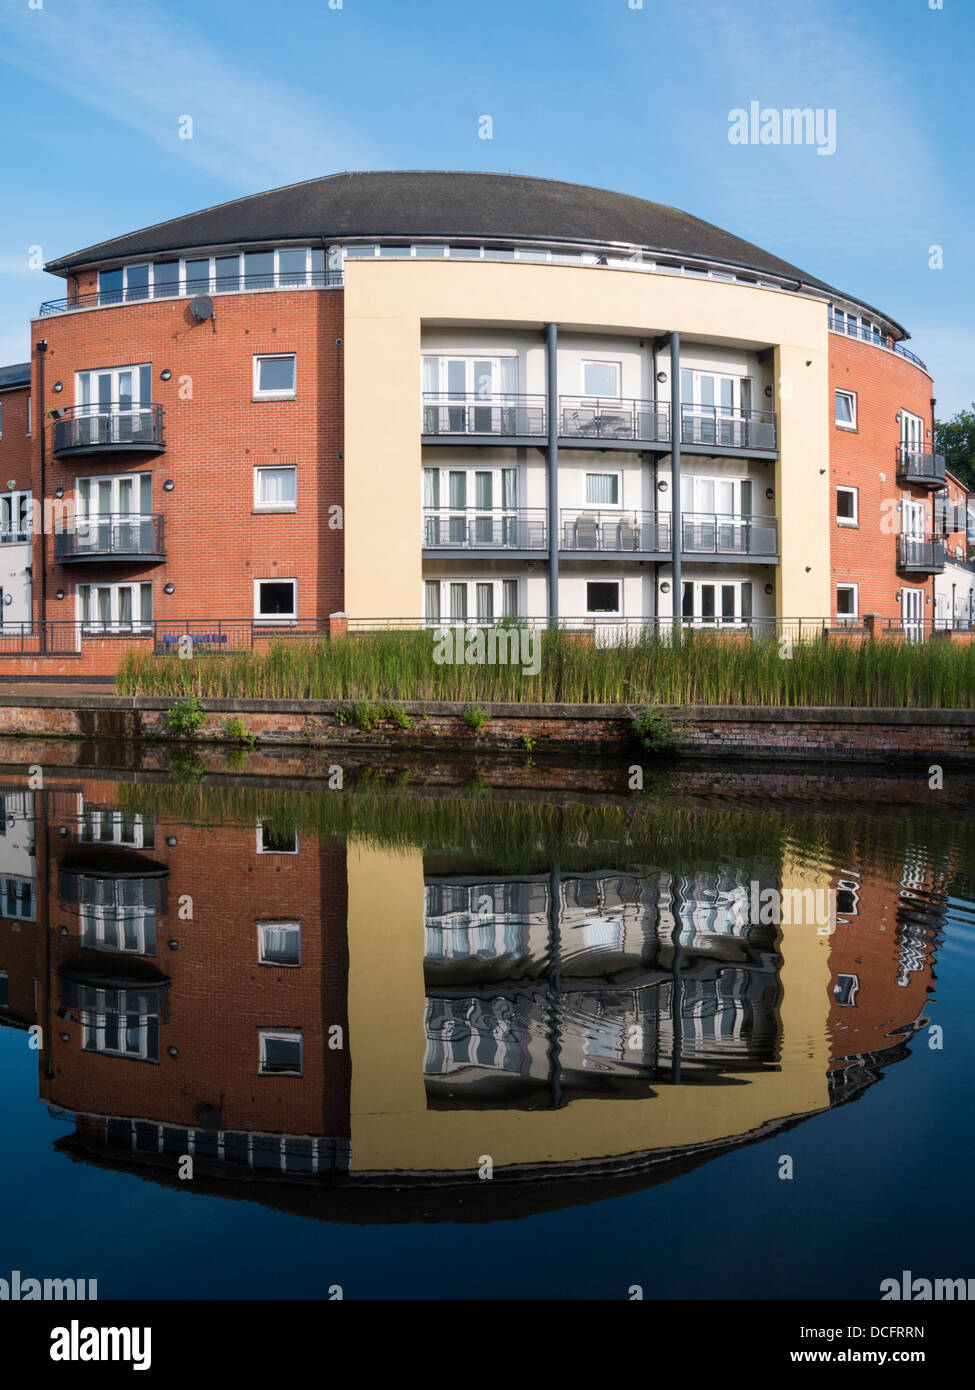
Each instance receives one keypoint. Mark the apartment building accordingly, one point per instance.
(15, 496)
(451, 396)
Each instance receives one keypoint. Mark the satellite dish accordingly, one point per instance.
(201, 307)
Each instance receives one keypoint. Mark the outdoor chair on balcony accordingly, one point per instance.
(628, 535)
(586, 533)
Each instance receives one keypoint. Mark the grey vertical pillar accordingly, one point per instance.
(552, 370)
(676, 528)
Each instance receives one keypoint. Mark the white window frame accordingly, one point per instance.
(854, 990)
(18, 504)
(698, 619)
(291, 926)
(113, 406)
(274, 395)
(143, 827)
(853, 520)
(125, 295)
(854, 589)
(602, 612)
(103, 928)
(603, 362)
(138, 624)
(496, 581)
(260, 506)
(850, 396)
(605, 473)
(285, 1035)
(260, 842)
(275, 617)
(93, 1033)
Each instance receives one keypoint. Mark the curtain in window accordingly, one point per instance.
(431, 487)
(602, 489)
(485, 601)
(458, 490)
(276, 486)
(508, 377)
(509, 488)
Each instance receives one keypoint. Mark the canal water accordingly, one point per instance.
(510, 1031)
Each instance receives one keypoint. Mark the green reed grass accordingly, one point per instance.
(705, 668)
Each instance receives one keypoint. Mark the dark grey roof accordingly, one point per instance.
(16, 375)
(443, 204)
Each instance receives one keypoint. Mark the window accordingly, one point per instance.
(279, 943)
(847, 897)
(275, 377)
(280, 1053)
(847, 600)
(845, 989)
(846, 409)
(274, 599)
(603, 489)
(601, 379)
(713, 603)
(275, 489)
(115, 607)
(847, 506)
(480, 600)
(114, 390)
(4, 990)
(276, 839)
(602, 597)
(15, 517)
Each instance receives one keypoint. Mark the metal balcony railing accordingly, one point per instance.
(500, 414)
(15, 535)
(728, 428)
(716, 533)
(915, 464)
(114, 536)
(873, 335)
(921, 554)
(615, 532)
(110, 425)
(599, 417)
(229, 284)
(471, 528)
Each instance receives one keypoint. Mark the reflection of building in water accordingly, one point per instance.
(597, 1030)
(541, 989)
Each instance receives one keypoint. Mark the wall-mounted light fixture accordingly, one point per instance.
(58, 387)
(168, 485)
(662, 485)
(173, 1052)
(59, 492)
(169, 588)
(661, 377)
(768, 391)
(770, 493)
(173, 945)
(172, 841)
(769, 589)
(165, 375)
(59, 593)
(665, 587)
(65, 1037)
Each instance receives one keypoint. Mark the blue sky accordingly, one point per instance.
(592, 91)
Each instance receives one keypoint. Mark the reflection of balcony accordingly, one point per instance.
(93, 429)
(137, 885)
(596, 419)
(472, 528)
(724, 427)
(115, 536)
(591, 531)
(919, 466)
(120, 1012)
(17, 897)
(709, 533)
(920, 554)
(486, 418)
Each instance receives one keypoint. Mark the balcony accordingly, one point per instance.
(608, 421)
(918, 467)
(467, 529)
(600, 532)
(722, 429)
(96, 429)
(111, 537)
(726, 535)
(921, 554)
(517, 419)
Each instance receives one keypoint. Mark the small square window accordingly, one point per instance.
(601, 379)
(275, 599)
(602, 598)
(847, 506)
(276, 839)
(275, 377)
(846, 600)
(279, 943)
(846, 409)
(280, 1053)
(603, 489)
(275, 489)
(845, 989)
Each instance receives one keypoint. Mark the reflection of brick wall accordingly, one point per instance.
(867, 945)
(215, 543)
(866, 458)
(220, 996)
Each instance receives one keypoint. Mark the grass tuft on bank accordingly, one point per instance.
(704, 668)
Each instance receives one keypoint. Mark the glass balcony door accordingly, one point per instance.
(476, 394)
(706, 603)
(715, 513)
(712, 407)
(114, 402)
(471, 507)
(115, 514)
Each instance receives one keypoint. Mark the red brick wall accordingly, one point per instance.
(866, 458)
(15, 443)
(215, 544)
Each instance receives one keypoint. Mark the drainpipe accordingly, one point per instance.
(675, 519)
(42, 430)
(552, 349)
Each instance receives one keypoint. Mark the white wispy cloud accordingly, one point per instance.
(132, 62)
